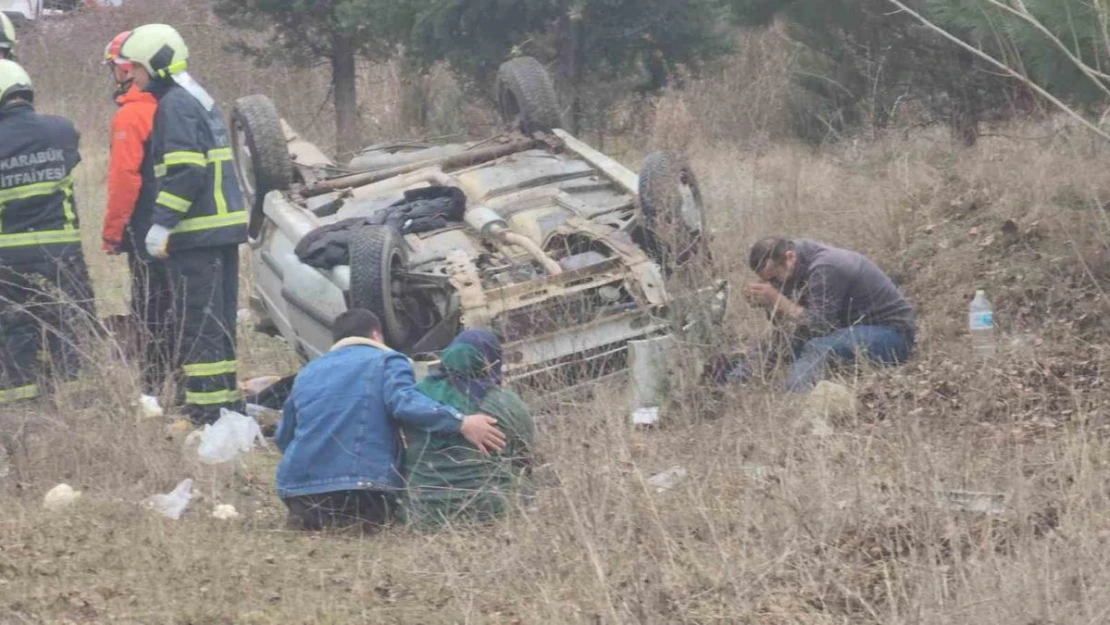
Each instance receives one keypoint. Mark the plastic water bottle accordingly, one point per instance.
(980, 324)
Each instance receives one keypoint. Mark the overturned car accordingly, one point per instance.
(559, 249)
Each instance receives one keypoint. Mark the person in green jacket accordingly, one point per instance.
(449, 480)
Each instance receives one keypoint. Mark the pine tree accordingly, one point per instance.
(304, 32)
(599, 42)
(1077, 24)
(862, 59)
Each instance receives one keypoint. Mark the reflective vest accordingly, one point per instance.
(198, 197)
(38, 214)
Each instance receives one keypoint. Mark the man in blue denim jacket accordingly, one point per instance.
(339, 434)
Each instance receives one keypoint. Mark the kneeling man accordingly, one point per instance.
(837, 304)
(339, 432)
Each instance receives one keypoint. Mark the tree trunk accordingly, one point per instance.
(570, 65)
(964, 120)
(347, 137)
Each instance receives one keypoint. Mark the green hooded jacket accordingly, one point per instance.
(447, 479)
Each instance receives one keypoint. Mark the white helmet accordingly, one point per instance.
(7, 36)
(14, 79)
(157, 47)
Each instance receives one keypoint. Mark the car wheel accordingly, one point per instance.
(377, 254)
(672, 211)
(262, 162)
(526, 96)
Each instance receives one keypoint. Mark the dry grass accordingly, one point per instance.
(774, 524)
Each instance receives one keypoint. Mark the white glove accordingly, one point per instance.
(158, 241)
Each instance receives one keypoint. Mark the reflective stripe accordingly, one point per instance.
(46, 237)
(202, 369)
(214, 397)
(173, 68)
(37, 189)
(18, 393)
(184, 158)
(67, 207)
(219, 155)
(211, 222)
(172, 202)
(218, 188)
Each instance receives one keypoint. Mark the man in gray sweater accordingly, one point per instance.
(836, 304)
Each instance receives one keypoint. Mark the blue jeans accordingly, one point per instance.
(879, 344)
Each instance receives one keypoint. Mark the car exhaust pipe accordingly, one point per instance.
(492, 226)
(453, 161)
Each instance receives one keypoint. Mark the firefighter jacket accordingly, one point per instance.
(198, 198)
(131, 182)
(38, 215)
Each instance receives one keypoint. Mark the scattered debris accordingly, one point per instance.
(819, 426)
(647, 366)
(829, 400)
(60, 497)
(243, 315)
(990, 504)
(149, 407)
(181, 426)
(255, 386)
(755, 471)
(225, 512)
(667, 479)
(645, 416)
(231, 435)
(171, 505)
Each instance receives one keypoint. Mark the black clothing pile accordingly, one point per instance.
(421, 210)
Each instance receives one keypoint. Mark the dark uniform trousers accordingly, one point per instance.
(46, 308)
(151, 299)
(204, 285)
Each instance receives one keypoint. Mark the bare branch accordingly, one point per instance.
(1096, 76)
(1002, 66)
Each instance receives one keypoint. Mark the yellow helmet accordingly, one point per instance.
(13, 80)
(7, 36)
(157, 47)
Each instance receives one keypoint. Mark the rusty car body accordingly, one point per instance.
(562, 251)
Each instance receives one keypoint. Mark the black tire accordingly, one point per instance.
(376, 252)
(262, 161)
(672, 239)
(526, 96)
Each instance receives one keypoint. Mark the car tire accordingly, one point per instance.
(526, 96)
(262, 161)
(672, 211)
(376, 252)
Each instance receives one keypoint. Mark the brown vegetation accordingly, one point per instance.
(775, 523)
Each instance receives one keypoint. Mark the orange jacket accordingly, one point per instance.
(131, 126)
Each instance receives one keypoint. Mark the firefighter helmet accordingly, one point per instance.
(112, 54)
(14, 80)
(7, 36)
(158, 48)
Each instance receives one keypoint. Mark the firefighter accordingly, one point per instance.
(130, 207)
(198, 220)
(45, 294)
(7, 37)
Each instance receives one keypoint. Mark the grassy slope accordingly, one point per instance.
(833, 529)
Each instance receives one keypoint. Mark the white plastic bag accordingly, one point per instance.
(225, 512)
(231, 435)
(173, 503)
(667, 479)
(59, 497)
